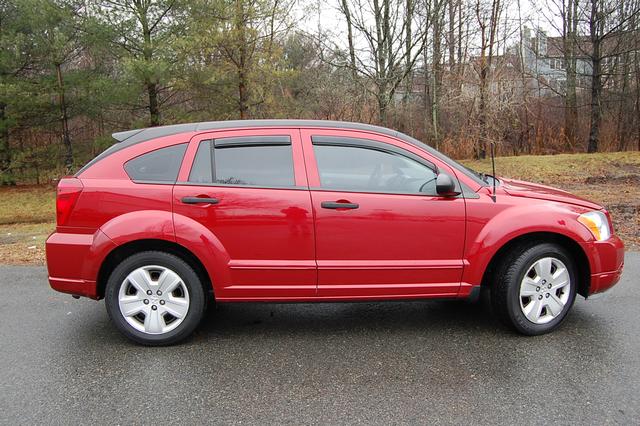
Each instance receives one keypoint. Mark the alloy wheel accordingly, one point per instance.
(153, 299)
(545, 290)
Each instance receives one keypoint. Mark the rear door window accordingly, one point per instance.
(159, 166)
(265, 161)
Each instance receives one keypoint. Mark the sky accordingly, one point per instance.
(324, 15)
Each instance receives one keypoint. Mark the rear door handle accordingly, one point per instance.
(198, 200)
(336, 205)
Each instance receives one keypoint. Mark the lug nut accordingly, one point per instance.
(146, 301)
(548, 295)
(540, 297)
(149, 292)
(154, 307)
(537, 288)
(162, 302)
(159, 293)
(549, 285)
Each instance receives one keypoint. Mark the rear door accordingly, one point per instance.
(381, 229)
(249, 189)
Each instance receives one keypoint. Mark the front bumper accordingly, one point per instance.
(74, 259)
(606, 259)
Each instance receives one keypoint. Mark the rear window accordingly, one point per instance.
(254, 161)
(161, 165)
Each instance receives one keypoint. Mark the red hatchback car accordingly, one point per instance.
(171, 218)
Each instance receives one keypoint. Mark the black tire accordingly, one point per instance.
(192, 282)
(505, 290)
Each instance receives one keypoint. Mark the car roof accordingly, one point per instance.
(131, 137)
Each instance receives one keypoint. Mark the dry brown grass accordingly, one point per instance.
(27, 217)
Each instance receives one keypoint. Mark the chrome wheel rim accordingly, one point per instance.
(153, 299)
(544, 290)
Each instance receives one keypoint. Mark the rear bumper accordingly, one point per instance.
(607, 261)
(73, 261)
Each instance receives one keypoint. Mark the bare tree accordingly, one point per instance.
(607, 20)
(391, 46)
(488, 16)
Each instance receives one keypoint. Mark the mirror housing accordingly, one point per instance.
(446, 186)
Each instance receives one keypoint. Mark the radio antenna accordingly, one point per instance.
(493, 167)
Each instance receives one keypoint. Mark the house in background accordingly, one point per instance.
(544, 69)
(544, 60)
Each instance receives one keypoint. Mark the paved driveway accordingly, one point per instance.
(438, 362)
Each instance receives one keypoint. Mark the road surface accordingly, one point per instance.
(437, 362)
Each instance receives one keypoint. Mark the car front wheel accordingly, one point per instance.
(535, 288)
(155, 298)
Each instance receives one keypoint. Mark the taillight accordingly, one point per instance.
(69, 189)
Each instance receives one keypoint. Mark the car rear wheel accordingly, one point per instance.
(535, 288)
(155, 298)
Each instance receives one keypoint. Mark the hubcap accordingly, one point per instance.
(544, 290)
(153, 299)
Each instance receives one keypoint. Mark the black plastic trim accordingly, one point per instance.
(154, 182)
(243, 141)
(199, 200)
(336, 205)
(474, 294)
(356, 191)
(231, 185)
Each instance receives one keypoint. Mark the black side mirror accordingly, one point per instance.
(445, 186)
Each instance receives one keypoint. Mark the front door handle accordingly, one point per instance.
(198, 200)
(338, 205)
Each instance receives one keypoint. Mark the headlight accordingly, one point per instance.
(597, 223)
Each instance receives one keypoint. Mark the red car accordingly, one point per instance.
(172, 218)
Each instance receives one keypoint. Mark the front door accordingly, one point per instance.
(249, 189)
(381, 229)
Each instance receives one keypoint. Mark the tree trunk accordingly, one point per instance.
(436, 72)
(154, 112)
(382, 104)
(64, 119)
(452, 35)
(570, 99)
(595, 30)
(352, 52)
(407, 47)
(243, 104)
(147, 53)
(622, 125)
(524, 131)
(243, 95)
(5, 152)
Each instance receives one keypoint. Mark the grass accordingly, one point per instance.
(27, 204)
(27, 217)
(27, 213)
(564, 168)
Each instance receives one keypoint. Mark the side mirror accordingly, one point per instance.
(445, 186)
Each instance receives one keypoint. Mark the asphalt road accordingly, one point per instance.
(437, 362)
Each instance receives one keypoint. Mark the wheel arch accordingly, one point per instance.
(532, 238)
(125, 250)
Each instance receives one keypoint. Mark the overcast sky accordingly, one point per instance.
(325, 14)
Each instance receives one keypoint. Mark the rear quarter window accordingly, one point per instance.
(161, 165)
